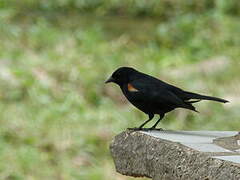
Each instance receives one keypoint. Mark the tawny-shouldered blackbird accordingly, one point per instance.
(153, 96)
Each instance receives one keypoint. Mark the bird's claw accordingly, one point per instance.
(156, 129)
(145, 129)
(136, 129)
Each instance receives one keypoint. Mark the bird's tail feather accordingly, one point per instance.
(189, 106)
(190, 95)
(191, 102)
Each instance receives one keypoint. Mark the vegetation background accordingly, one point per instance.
(58, 117)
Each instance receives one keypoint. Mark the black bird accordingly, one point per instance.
(153, 96)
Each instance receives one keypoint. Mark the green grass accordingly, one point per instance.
(57, 115)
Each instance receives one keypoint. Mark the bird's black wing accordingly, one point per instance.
(181, 94)
(153, 91)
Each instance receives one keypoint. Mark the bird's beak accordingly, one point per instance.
(109, 80)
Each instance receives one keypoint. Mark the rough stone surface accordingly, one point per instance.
(141, 155)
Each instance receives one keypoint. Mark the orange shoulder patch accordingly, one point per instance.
(131, 88)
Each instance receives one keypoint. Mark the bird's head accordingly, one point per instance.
(121, 75)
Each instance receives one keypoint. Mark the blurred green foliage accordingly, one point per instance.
(164, 9)
(57, 116)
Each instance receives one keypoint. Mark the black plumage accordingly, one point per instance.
(153, 96)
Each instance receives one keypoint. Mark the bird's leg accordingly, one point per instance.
(141, 127)
(154, 126)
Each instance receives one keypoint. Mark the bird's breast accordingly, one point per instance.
(135, 97)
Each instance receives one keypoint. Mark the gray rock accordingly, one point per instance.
(173, 155)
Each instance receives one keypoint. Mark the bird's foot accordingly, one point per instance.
(157, 129)
(144, 129)
(136, 129)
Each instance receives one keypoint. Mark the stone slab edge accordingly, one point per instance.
(140, 155)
